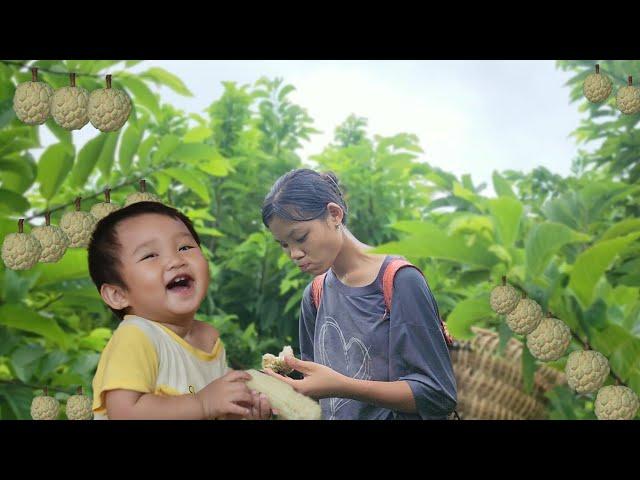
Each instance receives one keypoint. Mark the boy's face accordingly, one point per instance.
(162, 266)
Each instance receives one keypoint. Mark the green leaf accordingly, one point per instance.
(131, 63)
(162, 182)
(468, 313)
(591, 265)
(54, 166)
(21, 318)
(218, 166)
(70, 267)
(428, 240)
(529, 367)
(285, 91)
(63, 135)
(145, 149)
(544, 241)
(6, 112)
(166, 147)
(161, 76)
(194, 152)
(17, 285)
(141, 93)
(87, 159)
(622, 228)
(12, 201)
(190, 180)
(128, 147)
(501, 186)
(108, 153)
(197, 135)
(212, 232)
(20, 175)
(504, 334)
(507, 213)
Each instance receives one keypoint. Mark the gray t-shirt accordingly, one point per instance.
(350, 334)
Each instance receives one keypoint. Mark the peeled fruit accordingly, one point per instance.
(526, 317)
(586, 370)
(616, 402)
(45, 407)
(109, 108)
(53, 241)
(142, 195)
(101, 210)
(69, 106)
(628, 98)
(79, 407)
(31, 101)
(20, 251)
(549, 340)
(277, 364)
(78, 226)
(504, 298)
(597, 87)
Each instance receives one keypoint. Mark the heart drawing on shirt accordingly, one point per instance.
(355, 361)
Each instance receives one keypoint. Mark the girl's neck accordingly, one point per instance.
(353, 258)
(181, 326)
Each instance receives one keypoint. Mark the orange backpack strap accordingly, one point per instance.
(387, 289)
(316, 289)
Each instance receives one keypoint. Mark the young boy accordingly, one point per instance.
(160, 363)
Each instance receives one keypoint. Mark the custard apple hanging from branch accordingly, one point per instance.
(45, 407)
(69, 106)
(109, 108)
(549, 340)
(20, 251)
(597, 86)
(32, 100)
(628, 98)
(142, 195)
(504, 298)
(79, 407)
(78, 226)
(526, 317)
(616, 402)
(102, 209)
(586, 370)
(53, 240)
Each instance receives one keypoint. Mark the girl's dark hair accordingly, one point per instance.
(302, 195)
(104, 248)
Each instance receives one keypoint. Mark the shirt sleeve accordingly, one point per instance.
(307, 325)
(129, 362)
(418, 351)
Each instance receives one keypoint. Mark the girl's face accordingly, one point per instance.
(312, 245)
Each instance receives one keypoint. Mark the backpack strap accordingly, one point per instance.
(316, 289)
(387, 289)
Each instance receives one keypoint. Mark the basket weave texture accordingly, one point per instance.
(490, 385)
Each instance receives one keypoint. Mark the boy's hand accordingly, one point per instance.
(224, 396)
(260, 406)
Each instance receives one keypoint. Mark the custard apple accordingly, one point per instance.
(45, 407)
(31, 101)
(597, 87)
(628, 99)
(79, 407)
(504, 298)
(616, 402)
(20, 251)
(69, 106)
(526, 317)
(586, 370)
(549, 340)
(142, 195)
(53, 240)
(78, 226)
(101, 210)
(277, 364)
(109, 108)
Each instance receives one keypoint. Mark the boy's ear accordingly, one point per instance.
(114, 296)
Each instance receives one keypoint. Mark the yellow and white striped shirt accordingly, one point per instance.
(147, 357)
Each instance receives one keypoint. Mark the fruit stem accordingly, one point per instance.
(78, 204)
(108, 81)
(597, 68)
(21, 225)
(72, 78)
(630, 80)
(47, 218)
(79, 391)
(46, 392)
(143, 185)
(107, 195)
(34, 74)
(504, 280)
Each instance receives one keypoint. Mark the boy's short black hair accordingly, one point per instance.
(104, 248)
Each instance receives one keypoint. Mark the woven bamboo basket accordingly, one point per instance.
(490, 385)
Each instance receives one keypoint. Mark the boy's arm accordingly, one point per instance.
(130, 405)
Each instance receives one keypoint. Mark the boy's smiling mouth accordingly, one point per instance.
(181, 283)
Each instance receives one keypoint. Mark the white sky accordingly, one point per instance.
(470, 116)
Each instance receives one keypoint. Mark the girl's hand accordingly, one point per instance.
(260, 407)
(319, 381)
